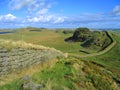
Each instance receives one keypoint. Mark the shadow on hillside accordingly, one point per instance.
(70, 39)
(84, 52)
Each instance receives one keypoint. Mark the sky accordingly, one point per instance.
(60, 13)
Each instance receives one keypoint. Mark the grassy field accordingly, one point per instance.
(49, 38)
(89, 73)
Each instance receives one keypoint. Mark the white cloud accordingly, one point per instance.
(116, 11)
(18, 4)
(8, 17)
(42, 11)
(47, 19)
(34, 7)
(40, 19)
(31, 5)
(59, 20)
(39, 14)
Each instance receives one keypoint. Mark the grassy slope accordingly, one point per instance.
(70, 74)
(56, 40)
(47, 38)
(110, 60)
(105, 50)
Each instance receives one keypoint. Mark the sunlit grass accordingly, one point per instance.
(64, 74)
(6, 79)
(68, 74)
(48, 38)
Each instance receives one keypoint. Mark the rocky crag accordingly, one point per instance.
(23, 55)
(94, 40)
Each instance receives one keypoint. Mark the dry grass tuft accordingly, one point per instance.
(9, 44)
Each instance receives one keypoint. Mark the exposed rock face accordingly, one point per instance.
(80, 35)
(98, 40)
(19, 58)
(28, 84)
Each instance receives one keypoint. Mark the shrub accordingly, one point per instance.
(67, 31)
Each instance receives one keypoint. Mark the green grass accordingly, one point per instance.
(111, 59)
(55, 39)
(47, 38)
(70, 74)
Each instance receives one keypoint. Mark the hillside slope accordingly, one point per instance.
(18, 55)
(67, 74)
(93, 40)
(100, 71)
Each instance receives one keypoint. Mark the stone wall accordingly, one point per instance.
(16, 59)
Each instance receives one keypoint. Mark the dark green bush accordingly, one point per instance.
(67, 31)
(81, 34)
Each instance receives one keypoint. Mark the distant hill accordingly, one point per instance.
(91, 39)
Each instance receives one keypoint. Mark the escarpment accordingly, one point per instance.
(94, 40)
(18, 55)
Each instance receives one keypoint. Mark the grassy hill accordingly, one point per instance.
(111, 59)
(48, 38)
(93, 40)
(69, 74)
(101, 72)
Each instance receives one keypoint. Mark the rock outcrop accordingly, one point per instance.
(18, 58)
(28, 84)
(95, 40)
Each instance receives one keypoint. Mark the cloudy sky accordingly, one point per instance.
(60, 13)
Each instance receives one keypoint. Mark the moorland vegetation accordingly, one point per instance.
(96, 72)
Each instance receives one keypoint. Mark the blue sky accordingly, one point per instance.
(60, 13)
